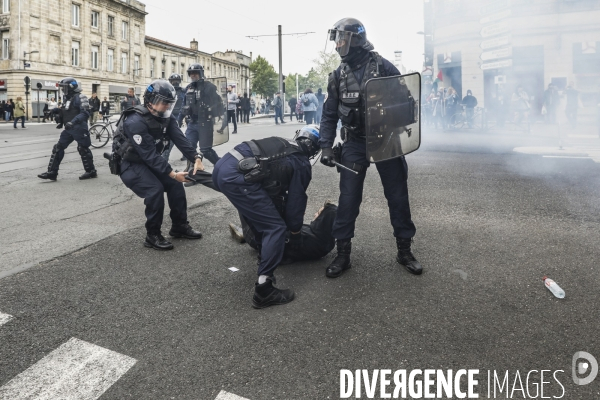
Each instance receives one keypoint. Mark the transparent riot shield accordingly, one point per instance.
(393, 124)
(218, 106)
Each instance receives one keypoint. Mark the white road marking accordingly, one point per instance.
(76, 370)
(233, 269)
(223, 395)
(580, 157)
(4, 318)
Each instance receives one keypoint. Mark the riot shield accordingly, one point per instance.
(393, 123)
(219, 111)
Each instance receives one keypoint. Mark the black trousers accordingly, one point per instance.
(152, 187)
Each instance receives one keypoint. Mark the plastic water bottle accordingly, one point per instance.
(554, 288)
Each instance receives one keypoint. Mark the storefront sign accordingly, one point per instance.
(495, 29)
(3, 82)
(47, 84)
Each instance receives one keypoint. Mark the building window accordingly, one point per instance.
(182, 69)
(75, 54)
(111, 26)
(75, 16)
(95, 15)
(136, 65)
(5, 6)
(173, 67)
(95, 57)
(110, 60)
(123, 63)
(125, 30)
(5, 46)
(152, 62)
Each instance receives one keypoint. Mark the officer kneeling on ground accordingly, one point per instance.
(249, 176)
(143, 133)
(346, 102)
(73, 115)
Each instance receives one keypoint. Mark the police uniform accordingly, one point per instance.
(203, 104)
(139, 141)
(288, 176)
(180, 94)
(73, 115)
(346, 102)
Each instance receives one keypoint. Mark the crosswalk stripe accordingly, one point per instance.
(75, 370)
(4, 318)
(223, 395)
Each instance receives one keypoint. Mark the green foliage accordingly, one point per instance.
(264, 78)
(317, 76)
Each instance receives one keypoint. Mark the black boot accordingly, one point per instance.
(158, 242)
(266, 295)
(49, 175)
(89, 175)
(406, 257)
(184, 231)
(341, 261)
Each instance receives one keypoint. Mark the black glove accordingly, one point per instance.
(296, 242)
(327, 157)
(68, 125)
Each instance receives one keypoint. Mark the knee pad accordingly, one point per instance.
(83, 151)
(56, 148)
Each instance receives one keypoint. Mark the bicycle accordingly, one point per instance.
(101, 133)
(461, 120)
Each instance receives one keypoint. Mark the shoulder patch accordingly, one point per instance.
(137, 139)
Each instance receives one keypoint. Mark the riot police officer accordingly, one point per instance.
(202, 104)
(73, 115)
(143, 133)
(346, 101)
(251, 176)
(175, 80)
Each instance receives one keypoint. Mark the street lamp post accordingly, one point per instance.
(27, 85)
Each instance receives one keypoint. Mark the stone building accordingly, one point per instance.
(495, 45)
(101, 43)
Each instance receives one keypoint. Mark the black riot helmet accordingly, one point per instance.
(349, 34)
(69, 86)
(308, 140)
(196, 69)
(160, 98)
(175, 80)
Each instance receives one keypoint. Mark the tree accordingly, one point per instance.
(264, 78)
(323, 66)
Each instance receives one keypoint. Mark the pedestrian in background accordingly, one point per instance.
(3, 109)
(238, 110)
(131, 100)
(299, 112)
(470, 102)
(321, 98)
(551, 101)
(94, 108)
(572, 104)
(252, 106)
(451, 103)
(292, 103)
(278, 107)
(8, 111)
(309, 105)
(262, 105)
(46, 111)
(267, 105)
(232, 101)
(520, 104)
(19, 113)
(246, 107)
(105, 109)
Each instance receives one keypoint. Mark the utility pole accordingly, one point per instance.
(279, 35)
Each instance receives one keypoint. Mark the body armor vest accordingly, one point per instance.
(68, 114)
(273, 151)
(198, 99)
(123, 147)
(351, 102)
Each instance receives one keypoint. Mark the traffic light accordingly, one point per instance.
(283, 83)
(283, 87)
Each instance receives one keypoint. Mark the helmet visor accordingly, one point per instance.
(160, 106)
(342, 40)
(196, 75)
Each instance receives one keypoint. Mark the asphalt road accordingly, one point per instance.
(491, 222)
